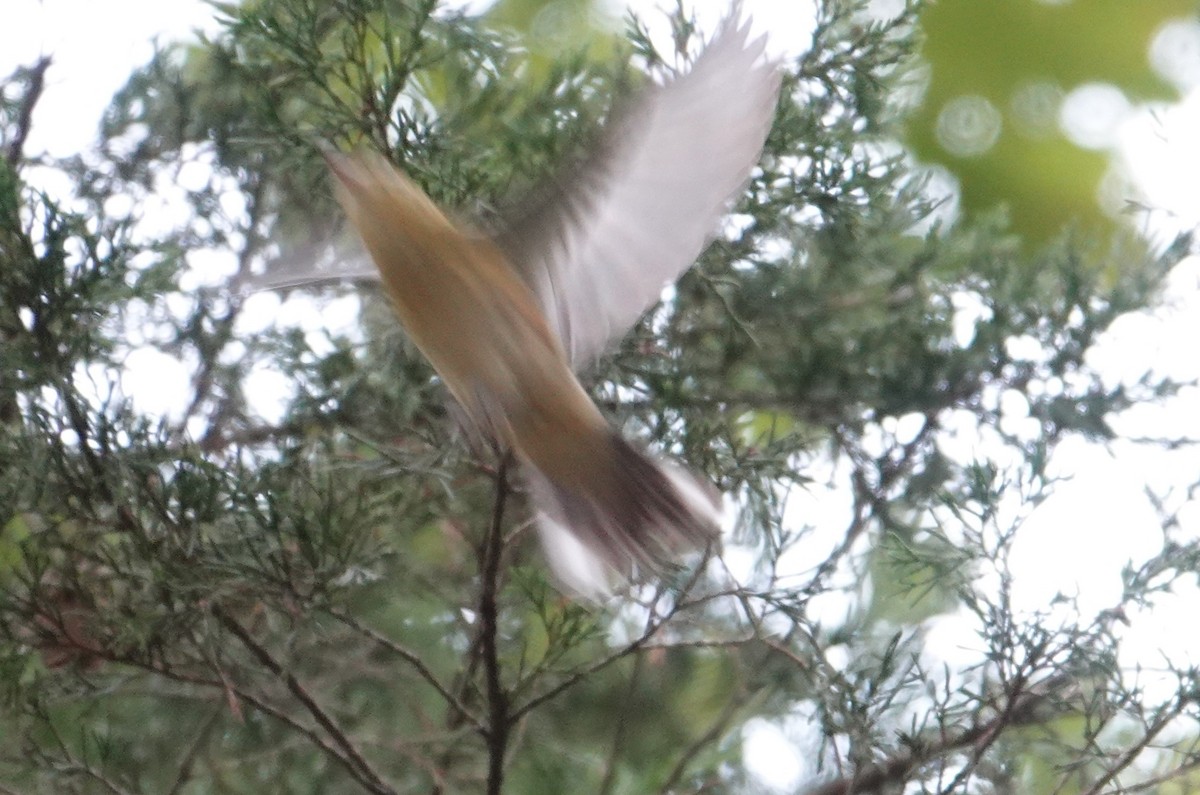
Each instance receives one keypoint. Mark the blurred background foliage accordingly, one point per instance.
(996, 74)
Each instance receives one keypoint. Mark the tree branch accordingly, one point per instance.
(37, 81)
(411, 657)
(189, 757)
(371, 779)
(499, 717)
(1152, 783)
(1161, 721)
(78, 766)
(260, 704)
(714, 732)
(637, 644)
(1021, 709)
(618, 740)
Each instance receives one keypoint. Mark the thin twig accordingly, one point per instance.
(637, 644)
(870, 502)
(1021, 709)
(97, 776)
(263, 706)
(73, 765)
(989, 738)
(371, 779)
(633, 646)
(1153, 783)
(1156, 728)
(189, 758)
(618, 741)
(714, 733)
(413, 659)
(209, 349)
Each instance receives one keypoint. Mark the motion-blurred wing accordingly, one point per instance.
(312, 268)
(604, 238)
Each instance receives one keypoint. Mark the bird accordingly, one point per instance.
(509, 316)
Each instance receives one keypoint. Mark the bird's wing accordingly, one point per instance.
(287, 278)
(605, 237)
(315, 266)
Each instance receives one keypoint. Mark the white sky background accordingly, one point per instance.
(1075, 543)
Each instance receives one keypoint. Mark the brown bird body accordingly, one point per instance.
(505, 320)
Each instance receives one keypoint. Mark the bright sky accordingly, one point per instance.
(1076, 542)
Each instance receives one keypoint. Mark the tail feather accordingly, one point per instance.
(629, 521)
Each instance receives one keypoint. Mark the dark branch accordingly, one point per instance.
(618, 749)
(1021, 708)
(412, 658)
(499, 718)
(714, 733)
(189, 758)
(1160, 723)
(255, 701)
(36, 75)
(371, 779)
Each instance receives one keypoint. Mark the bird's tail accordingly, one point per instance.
(623, 523)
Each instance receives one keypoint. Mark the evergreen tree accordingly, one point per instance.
(345, 595)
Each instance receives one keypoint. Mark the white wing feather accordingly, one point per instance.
(609, 235)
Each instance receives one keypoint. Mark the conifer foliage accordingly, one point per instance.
(305, 578)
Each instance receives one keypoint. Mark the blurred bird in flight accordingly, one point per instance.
(507, 319)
